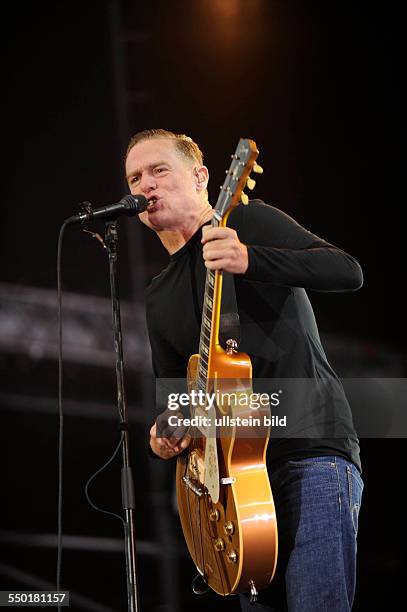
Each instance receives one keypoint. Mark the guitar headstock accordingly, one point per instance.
(237, 177)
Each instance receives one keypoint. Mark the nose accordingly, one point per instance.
(147, 183)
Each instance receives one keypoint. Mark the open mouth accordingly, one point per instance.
(152, 204)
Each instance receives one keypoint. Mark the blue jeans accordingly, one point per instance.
(317, 504)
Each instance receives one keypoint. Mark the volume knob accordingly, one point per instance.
(231, 556)
(219, 544)
(229, 528)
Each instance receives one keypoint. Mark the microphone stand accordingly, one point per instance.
(127, 484)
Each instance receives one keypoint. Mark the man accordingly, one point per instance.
(315, 471)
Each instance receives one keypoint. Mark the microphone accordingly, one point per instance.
(130, 205)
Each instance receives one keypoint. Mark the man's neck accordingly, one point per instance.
(173, 241)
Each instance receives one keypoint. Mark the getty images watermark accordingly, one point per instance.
(313, 408)
(203, 415)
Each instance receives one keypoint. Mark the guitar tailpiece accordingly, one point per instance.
(253, 593)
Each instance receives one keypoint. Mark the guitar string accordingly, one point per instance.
(206, 523)
(203, 371)
(210, 288)
(202, 375)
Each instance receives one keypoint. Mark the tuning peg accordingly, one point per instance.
(244, 198)
(250, 183)
(258, 169)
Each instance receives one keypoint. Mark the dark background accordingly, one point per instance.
(317, 85)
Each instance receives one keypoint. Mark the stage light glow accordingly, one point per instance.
(226, 8)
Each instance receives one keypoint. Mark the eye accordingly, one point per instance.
(160, 169)
(134, 179)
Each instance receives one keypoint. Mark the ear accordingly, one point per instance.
(201, 175)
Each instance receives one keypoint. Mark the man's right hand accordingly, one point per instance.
(173, 440)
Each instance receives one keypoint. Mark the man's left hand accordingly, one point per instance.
(223, 250)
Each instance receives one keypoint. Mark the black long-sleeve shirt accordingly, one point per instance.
(278, 327)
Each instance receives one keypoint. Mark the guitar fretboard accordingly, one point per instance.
(206, 325)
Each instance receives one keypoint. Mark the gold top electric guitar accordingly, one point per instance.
(224, 497)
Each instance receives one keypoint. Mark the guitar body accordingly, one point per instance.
(233, 541)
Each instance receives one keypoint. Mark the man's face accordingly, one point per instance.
(172, 184)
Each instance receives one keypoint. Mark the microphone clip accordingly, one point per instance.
(86, 208)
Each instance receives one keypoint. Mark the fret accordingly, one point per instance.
(205, 339)
(204, 335)
(201, 385)
(208, 301)
(206, 321)
(204, 360)
(206, 329)
(210, 291)
(208, 314)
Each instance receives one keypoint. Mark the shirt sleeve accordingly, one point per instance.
(284, 253)
(166, 365)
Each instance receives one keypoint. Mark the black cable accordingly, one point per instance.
(96, 474)
(60, 410)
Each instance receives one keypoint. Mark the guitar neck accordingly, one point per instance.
(243, 161)
(209, 337)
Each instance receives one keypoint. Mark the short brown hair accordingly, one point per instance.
(185, 145)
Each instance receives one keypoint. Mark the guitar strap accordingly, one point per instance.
(229, 326)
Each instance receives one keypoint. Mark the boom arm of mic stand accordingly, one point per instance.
(127, 483)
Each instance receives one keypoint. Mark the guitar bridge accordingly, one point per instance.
(231, 346)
